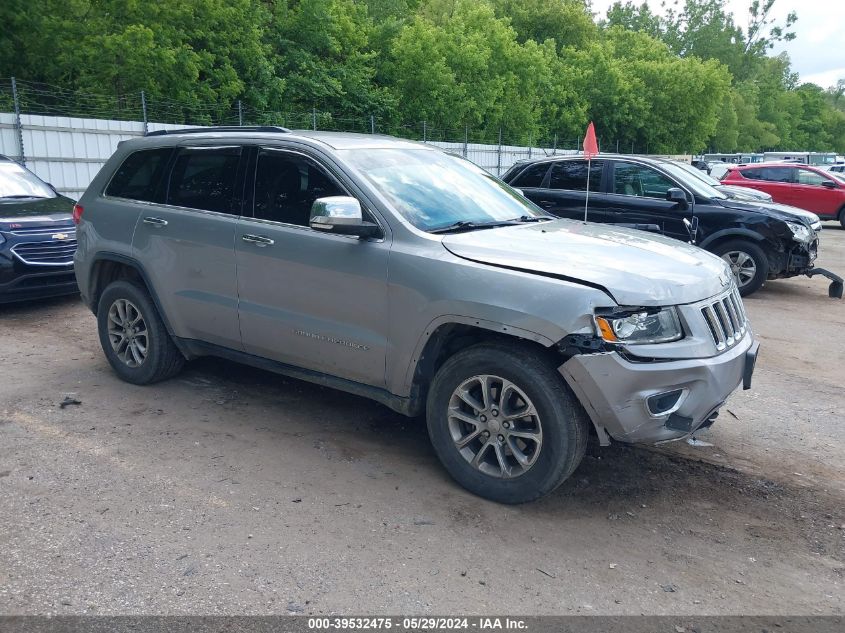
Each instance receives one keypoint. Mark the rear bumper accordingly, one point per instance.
(615, 391)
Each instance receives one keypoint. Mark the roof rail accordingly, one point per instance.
(220, 128)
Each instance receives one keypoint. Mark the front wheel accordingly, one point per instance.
(748, 262)
(504, 423)
(842, 217)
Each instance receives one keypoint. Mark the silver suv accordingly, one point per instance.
(398, 272)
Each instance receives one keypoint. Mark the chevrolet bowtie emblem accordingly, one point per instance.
(60, 236)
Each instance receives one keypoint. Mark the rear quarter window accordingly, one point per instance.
(140, 174)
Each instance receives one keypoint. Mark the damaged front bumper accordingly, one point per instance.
(648, 402)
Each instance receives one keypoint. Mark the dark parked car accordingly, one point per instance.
(37, 236)
(731, 191)
(759, 241)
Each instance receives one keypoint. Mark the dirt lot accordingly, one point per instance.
(230, 490)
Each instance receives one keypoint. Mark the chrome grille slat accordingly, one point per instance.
(56, 253)
(732, 313)
(70, 229)
(715, 327)
(726, 319)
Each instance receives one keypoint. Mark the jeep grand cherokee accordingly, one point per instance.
(395, 271)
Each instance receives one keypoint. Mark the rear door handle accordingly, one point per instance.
(258, 240)
(156, 222)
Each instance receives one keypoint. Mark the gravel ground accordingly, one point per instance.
(234, 491)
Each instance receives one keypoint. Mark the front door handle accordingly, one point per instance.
(156, 222)
(546, 204)
(258, 240)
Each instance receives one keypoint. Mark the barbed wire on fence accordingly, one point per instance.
(48, 100)
(32, 98)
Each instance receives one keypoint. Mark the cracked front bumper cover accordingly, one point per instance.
(614, 391)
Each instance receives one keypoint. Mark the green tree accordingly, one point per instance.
(323, 52)
(567, 22)
(456, 64)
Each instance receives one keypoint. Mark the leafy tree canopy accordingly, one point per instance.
(682, 79)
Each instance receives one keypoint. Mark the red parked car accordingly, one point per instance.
(803, 186)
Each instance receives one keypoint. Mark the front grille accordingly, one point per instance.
(54, 253)
(726, 319)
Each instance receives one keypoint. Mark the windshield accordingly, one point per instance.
(17, 182)
(433, 190)
(701, 184)
(702, 175)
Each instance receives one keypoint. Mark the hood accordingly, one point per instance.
(634, 267)
(35, 210)
(773, 209)
(735, 192)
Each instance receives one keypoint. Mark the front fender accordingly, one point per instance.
(730, 233)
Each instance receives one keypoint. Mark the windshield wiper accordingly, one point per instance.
(21, 196)
(533, 218)
(468, 225)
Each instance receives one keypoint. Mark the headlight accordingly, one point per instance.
(641, 326)
(800, 232)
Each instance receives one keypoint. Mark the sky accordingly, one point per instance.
(817, 52)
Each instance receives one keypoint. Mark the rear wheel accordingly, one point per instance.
(504, 424)
(133, 336)
(748, 262)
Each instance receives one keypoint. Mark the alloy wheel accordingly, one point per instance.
(495, 426)
(743, 266)
(128, 332)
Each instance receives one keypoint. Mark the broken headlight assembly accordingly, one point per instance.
(640, 326)
(800, 232)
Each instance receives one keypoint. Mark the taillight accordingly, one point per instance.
(77, 213)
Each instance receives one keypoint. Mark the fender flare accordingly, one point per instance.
(132, 263)
(454, 319)
(734, 232)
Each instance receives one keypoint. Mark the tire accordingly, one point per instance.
(560, 419)
(159, 357)
(742, 255)
(842, 217)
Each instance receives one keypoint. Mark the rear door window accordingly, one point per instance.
(532, 176)
(571, 175)
(779, 174)
(204, 178)
(140, 175)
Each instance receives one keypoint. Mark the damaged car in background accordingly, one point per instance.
(394, 271)
(760, 241)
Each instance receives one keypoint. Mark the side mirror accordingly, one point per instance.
(678, 197)
(341, 215)
(829, 184)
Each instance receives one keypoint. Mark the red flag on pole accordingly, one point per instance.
(591, 149)
(591, 146)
